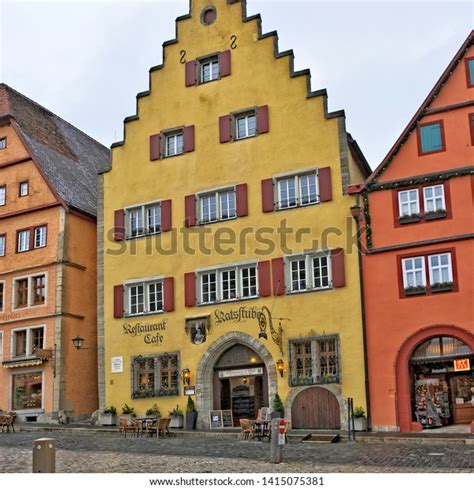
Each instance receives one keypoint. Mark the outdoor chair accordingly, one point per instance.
(7, 422)
(163, 426)
(134, 427)
(151, 427)
(246, 429)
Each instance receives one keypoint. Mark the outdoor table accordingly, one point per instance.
(144, 420)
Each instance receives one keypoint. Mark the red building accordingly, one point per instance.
(417, 227)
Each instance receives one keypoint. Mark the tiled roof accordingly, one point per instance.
(69, 158)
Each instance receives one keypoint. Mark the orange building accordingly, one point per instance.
(48, 172)
(417, 226)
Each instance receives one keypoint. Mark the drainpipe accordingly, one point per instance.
(356, 214)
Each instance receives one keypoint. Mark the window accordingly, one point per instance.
(314, 360)
(3, 241)
(245, 125)
(209, 69)
(470, 72)
(2, 295)
(26, 341)
(227, 284)
(217, 206)
(440, 269)
(309, 272)
(408, 202)
(144, 297)
(23, 241)
(3, 143)
(24, 189)
(143, 220)
(174, 144)
(155, 376)
(40, 237)
(297, 190)
(434, 198)
(414, 272)
(1, 346)
(27, 391)
(30, 291)
(3, 195)
(431, 137)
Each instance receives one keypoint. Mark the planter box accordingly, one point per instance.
(435, 215)
(177, 421)
(443, 288)
(360, 424)
(417, 291)
(107, 419)
(409, 219)
(191, 420)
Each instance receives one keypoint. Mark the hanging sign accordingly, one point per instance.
(462, 364)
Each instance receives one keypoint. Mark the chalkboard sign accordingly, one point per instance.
(216, 419)
(227, 420)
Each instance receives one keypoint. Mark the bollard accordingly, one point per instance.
(277, 440)
(44, 456)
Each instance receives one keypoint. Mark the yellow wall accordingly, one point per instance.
(300, 137)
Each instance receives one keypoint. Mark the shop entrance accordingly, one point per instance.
(240, 383)
(442, 382)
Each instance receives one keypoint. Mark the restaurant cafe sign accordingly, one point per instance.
(152, 333)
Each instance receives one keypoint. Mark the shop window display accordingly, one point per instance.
(27, 391)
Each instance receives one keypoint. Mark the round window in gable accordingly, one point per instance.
(208, 15)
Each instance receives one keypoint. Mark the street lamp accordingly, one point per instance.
(78, 341)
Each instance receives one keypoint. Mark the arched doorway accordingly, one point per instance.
(432, 387)
(316, 408)
(215, 359)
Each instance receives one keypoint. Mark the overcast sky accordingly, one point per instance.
(87, 60)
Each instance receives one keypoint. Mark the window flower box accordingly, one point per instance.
(408, 218)
(419, 289)
(438, 214)
(442, 287)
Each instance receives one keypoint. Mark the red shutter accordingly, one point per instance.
(166, 215)
(264, 284)
(224, 63)
(155, 147)
(325, 184)
(338, 273)
(242, 204)
(224, 129)
(118, 301)
(267, 195)
(190, 210)
(190, 289)
(278, 276)
(190, 73)
(119, 225)
(262, 119)
(168, 294)
(188, 139)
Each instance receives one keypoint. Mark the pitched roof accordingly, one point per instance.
(423, 108)
(69, 159)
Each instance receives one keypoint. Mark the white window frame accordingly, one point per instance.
(174, 135)
(24, 189)
(30, 278)
(3, 244)
(219, 271)
(143, 209)
(409, 202)
(43, 236)
(309, 271)
(3, 286)
(414, 270)
(29, 342)
(20, 242)
(217, 193)
(296, 176)
(146, 283)
(3, 195)
(434, 198)
(210, 61)
(245, 116)
(440, 267)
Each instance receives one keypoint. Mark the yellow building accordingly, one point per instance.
(230, 267)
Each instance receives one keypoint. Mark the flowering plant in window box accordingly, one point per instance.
(407, 218)
(328, 379)
(414, 290)
(302, 380)
(439, 213)
(441, 286)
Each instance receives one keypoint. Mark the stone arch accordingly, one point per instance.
(403, 402)
(333, 388)
(205, 370)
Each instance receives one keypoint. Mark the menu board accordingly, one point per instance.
(227, 420)
(216, 419)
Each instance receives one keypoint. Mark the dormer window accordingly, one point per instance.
(24, 189)
(3, 143)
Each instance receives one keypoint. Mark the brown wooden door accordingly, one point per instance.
(316, 408)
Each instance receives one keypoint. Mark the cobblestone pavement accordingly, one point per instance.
(99, 453)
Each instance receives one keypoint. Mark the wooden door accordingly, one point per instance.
(316, 408)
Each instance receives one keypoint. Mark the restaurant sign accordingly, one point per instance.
(462, 364)
(151, 332)
(243, 372)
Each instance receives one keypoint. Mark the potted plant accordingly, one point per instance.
(177, 417)
(414, 290)
(108, 416)
(278, 410)
(128, 412)
(441, 286)
(406, 218)
(437, 214)
(360, 421)
(153, 412)
(191, 414)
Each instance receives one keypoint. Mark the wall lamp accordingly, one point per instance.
(186, 376)
(78, 341)
(280, 365)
